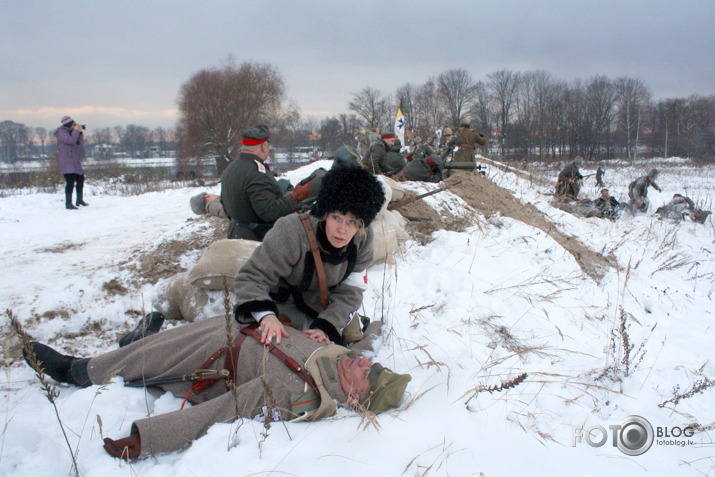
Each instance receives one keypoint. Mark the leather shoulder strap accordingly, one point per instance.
(322, 281)
(292, 364)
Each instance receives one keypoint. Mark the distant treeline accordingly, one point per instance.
(533, 115)
(526, 115)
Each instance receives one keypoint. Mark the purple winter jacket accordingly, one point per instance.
(69, 149)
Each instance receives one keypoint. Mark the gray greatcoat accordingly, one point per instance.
(264, 383)
(274, 279)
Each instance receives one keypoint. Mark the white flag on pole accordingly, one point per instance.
(400, 127)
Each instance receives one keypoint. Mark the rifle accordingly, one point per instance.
(404, 202)
(464, 165)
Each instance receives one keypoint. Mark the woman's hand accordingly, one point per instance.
(317, 335)
(271, 328)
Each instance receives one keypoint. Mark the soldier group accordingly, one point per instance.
(568, 186)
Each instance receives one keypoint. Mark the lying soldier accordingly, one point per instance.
(300, 379)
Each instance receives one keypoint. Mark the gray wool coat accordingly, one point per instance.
(264, 383)
(280, 262)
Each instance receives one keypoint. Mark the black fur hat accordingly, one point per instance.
(350, 189)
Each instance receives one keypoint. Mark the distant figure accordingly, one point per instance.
(680, 207)
(393, 161)
(70, 139)
(607, 204)
(638, 191)
(250, 195)
(568, 183)
(599, 177)
(467, 141)
(378, 150)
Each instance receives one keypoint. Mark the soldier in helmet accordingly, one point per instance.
(568, 184)
(638, 191)
(423, 167)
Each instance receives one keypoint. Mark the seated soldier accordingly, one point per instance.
(607, 204)
(393, 161)
(265, 383)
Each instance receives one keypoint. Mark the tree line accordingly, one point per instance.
(526, 115)
(533, 115)
(18, 141)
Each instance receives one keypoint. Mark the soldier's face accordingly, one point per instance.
(355, 377)
(341, 228)
(390, 141)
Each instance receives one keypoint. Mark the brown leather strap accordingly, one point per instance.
(322, 282)
(285, 359)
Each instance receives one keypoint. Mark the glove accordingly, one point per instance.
(127, 448)
(301, 191)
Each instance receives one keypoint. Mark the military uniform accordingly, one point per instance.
(280, 277)
(264, 383)
(375, 156)
(426, 168)
(392, 162)
(568, 183)
(252, 198)
(467, 141)
(638, 191)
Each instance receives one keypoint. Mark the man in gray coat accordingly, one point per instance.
(248, 383)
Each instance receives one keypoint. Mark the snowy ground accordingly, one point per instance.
(468, 310)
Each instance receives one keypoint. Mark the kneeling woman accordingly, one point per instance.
(282, 280)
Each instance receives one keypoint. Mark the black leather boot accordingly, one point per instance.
(68, 202)
(147, 326)
(58, 366)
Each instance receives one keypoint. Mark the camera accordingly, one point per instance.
(83, 126)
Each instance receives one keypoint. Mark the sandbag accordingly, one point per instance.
(396, 191)
(178, 299)
(221, 261)
(389, 233)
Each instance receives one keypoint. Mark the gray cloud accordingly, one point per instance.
(122, 62)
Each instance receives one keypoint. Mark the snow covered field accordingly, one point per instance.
(470, 309)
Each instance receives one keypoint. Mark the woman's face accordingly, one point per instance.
(340, 228)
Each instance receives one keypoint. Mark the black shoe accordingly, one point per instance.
(70, 207)
(81, 202)
(147, 326)
(54, 364)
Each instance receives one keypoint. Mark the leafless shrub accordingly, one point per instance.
(51, 392)
(697, 387)
(503, 386)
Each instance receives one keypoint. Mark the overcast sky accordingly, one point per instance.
(120, 62)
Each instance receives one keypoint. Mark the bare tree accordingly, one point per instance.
(431, 111)
(503, 85)
(13, 136)
(216, 104)
(369, 105)
(456, 91)
(632, 101)
(600, 98)
(42, 136)
(136, 139)
(103, 143)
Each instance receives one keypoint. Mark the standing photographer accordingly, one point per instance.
(69, 149)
